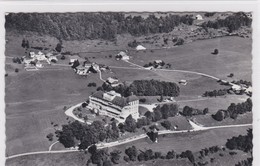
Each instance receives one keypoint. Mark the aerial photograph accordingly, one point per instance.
(128, 89)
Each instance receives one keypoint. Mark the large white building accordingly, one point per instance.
(114, 105)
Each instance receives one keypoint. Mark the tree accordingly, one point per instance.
(215, 51)
(75, 64)
(66, 138)
(205, 111)
(115, 156)
(23, 43)
(63, 57)
(132, 153)
(166, 124)
(165, 110)
(187, 111)
(219, 116)
(50, 136)
(58, 47)
(27, 45)
(170, 155)
(157, 115)
(16, 70)
(130, 124)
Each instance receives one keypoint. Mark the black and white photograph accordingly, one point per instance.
(128, 88)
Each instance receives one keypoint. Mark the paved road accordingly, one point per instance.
(69, 112)
(116, 143)
(52, 145)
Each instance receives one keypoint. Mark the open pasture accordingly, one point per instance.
(35, 99)
(193, 141)
(234, 57)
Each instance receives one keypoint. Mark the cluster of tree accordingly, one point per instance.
(241, 142)
(146, 88)
(178, 41)
(133, 155)
(215, 93)
(209, 14)
(234, 110)
(92, 84)
(102, 157)
(247, 162)
(154, 64)
(86, 135)
(50, 136)
(243, 82)
(189, 111)
(17, 60)
(81, 26)
(206, 151)
(133, 44)
(232, 22)
(25, 44)
(160, 112)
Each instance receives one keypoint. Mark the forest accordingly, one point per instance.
(145, 88)
(82, 26)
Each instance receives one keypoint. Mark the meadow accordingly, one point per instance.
(36, 99)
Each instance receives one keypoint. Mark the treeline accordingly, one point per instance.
(81, 26)
(133, 155)
(234, 110)
(83, 135)
(247, 162)
(243, 143)
(189, 111)
(215, 93)
(160, 112)
(232, 22)
(244, 82)
(145, 88)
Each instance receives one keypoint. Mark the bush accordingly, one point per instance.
(16, 70)
(50, 136)
(143, 100)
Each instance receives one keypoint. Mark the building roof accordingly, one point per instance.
(132, 98)
(98, 94)
(122, 53)
(120, 101)
(140, 47)
(117, 100)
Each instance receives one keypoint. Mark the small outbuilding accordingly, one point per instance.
(199, 17)
(140, 47)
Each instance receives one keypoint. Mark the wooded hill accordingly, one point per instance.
(81, 26)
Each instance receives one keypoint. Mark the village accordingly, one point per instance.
(98, 99)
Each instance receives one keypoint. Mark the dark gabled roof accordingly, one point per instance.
(131, 98)
(120, 101)
(98, 94)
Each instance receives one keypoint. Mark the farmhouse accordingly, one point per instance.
(199, 17)
(123, 55)
(82, 71)
(112, 81)
(114, 105)
(140, 47)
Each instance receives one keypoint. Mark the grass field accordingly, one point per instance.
(65, 159)
(234, 57)
(207, 120)
(213, 104)
(194, 141)
(34, 100)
